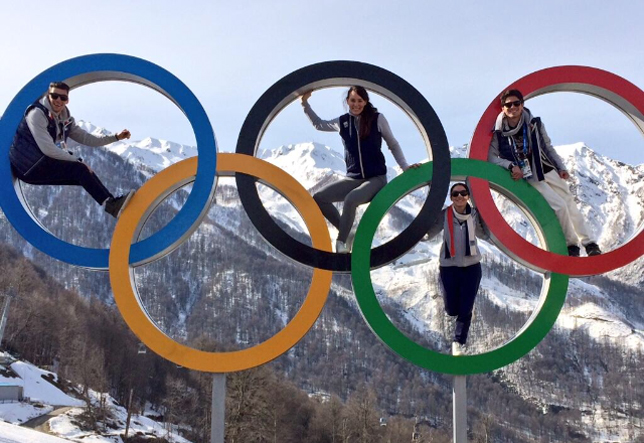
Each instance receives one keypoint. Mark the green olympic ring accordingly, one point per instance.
(537, 326)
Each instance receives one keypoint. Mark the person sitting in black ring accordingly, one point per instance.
(39, 156)
(362, 130)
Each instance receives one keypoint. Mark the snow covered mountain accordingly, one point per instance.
(43, 389)
(610, 194)
(150, 154)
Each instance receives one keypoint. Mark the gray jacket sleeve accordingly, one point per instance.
(392, 143)
(85, 138)
(438, 227)
(482, 231)
(318, 123)
(493, 154)
(550, 151)
(37, 123)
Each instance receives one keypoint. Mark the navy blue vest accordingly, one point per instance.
(363, 157)
(506, 150)
(24, 152)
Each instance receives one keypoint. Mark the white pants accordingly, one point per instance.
(557, 193)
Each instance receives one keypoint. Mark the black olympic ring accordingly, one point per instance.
(344, 73)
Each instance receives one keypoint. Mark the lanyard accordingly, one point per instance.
(525, 142)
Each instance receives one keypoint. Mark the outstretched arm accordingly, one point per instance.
(83, 137)
(392, 144)
(317, 122)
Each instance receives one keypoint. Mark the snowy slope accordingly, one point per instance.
(40, 390)
(15, 434)
(65, 425)
(44, 396)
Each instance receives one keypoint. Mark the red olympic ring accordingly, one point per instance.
(609, 87)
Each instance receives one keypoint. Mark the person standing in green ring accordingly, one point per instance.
(362, 130)
(460, 260)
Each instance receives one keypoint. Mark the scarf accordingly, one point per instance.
(541, 158)
(470, 246)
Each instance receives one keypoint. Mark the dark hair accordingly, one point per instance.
(59, 85)
(459, 184)
(368, 113)
(511, 93)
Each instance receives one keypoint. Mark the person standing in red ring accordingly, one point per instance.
(521, 144)
(362, 130)
(460, 260)
(39, 153)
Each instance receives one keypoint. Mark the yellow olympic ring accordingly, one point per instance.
(126, 295)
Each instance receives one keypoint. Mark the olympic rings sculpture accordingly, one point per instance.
(124, 255)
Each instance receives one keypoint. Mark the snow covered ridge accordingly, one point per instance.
(151, 154)
(40, 387)
(610, 193)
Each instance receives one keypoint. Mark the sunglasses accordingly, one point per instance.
(55, 96)
(461, 193)
(515, 103)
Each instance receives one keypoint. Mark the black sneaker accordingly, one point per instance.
(114, 206)
(592, 249)
(573, 250)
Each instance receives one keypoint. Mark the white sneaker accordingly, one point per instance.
(457, 348)
(341, 247)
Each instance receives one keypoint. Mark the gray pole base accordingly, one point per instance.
(217, 426)
(459, 418)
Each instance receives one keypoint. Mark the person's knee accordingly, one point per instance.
(562, 213)
(319, 198)
(351, 203)
(559, 206)
(450, 310)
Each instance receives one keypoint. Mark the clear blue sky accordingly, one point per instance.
(458, 54)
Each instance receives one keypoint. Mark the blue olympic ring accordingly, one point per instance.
(102, 67)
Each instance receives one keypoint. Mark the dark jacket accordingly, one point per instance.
(543, 154)
(24, 152)
(363, 157)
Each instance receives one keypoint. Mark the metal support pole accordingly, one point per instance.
(217, 426)
(459, 418)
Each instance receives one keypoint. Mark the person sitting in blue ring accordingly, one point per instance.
(362, 130)
(460, 260)
(39, 155)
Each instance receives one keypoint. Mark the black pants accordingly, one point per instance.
(50, 171)
(460, 286)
